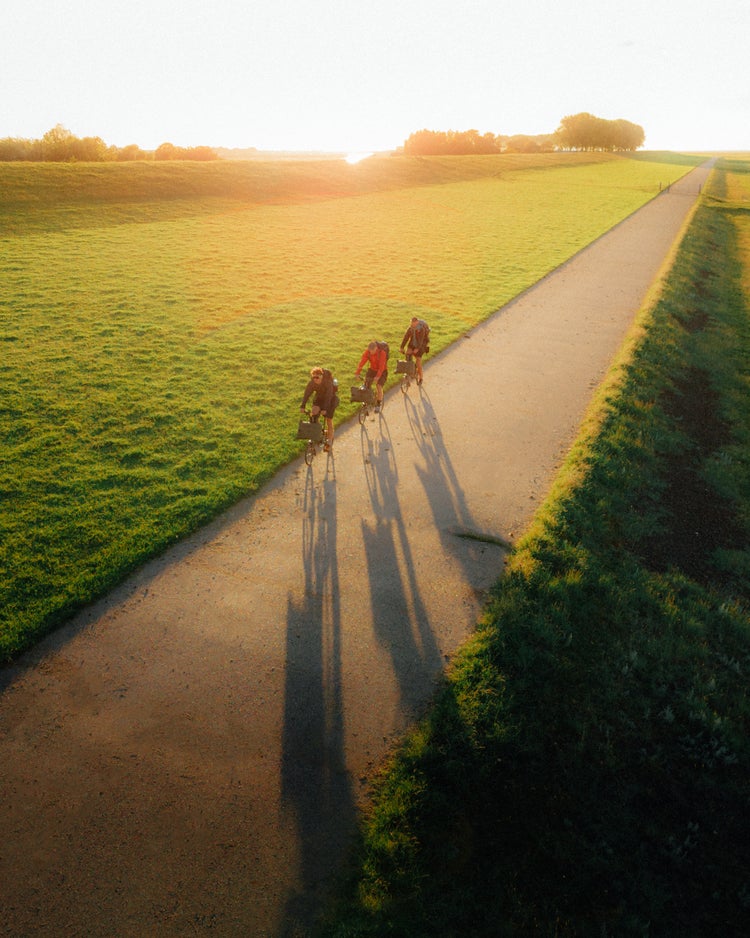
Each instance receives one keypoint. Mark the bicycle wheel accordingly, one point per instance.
(362, 413)
(405, 382)
(309, 452)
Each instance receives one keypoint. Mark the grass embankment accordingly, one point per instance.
(159, 322)
(586, 768)
(45, 195)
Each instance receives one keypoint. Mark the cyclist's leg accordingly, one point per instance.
(379, 388)
(369, 378)
(415, 353)
(329, 428)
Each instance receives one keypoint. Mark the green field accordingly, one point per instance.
(585, 770)
(158, 323)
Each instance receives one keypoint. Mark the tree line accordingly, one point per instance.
(471, 142)
(59, 145)
(576, 132)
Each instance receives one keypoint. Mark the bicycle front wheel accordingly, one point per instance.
(362, 413)
(309, 453)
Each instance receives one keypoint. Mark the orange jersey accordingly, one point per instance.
(377, 361)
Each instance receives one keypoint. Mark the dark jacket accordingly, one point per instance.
(325, 393)
(417, 336)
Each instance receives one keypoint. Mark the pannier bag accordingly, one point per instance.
(363, 395)
(310, 431)
(406, 368)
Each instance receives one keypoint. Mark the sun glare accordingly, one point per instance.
(356, 157)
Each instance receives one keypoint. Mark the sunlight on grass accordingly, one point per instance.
(156, 347)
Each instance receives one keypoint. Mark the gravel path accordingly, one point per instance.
(189, 756)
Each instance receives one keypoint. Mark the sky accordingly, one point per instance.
(362, 75)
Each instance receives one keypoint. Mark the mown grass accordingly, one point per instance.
(585, 768)
(159, 322)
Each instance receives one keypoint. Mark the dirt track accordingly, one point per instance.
(189, 756)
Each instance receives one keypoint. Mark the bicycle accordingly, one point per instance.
(408, 370)
(364, 396)
(312, 431)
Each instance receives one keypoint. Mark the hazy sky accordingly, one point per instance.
(360, 75)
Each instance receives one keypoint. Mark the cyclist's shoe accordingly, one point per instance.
(326, 447)
(377, 408)
(419, 382)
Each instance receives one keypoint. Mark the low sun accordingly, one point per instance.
(356, 157)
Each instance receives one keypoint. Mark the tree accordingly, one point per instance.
(165, 151)
(200, 153)
(585, 132)
(15, 148)
(521, 143)
(628, 136)
(57, 144)
(60, 145)
(577, 132)
(130, 153)
(451, 142)
(424, 143)
(168, 151)
(89, 150)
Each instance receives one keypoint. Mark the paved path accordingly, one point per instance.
(188, 756)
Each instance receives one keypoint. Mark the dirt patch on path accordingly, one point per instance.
(189, 756)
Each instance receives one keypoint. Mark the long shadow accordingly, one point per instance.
(400, 618)
(316, 791)
(438, 475)
(480, 554)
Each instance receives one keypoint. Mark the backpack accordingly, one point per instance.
(333, 383)
(420, 336)
(383, 346)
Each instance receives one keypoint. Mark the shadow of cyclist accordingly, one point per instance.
(481, 555)
(315, 788)
(400, 619)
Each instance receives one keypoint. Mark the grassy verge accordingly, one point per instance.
(159, 323)
(584, 770)
(37, 196)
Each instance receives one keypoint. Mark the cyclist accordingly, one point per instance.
(416, 342)
(376, 358)
(323, 385)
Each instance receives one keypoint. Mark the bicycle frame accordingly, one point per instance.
(315, 437)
